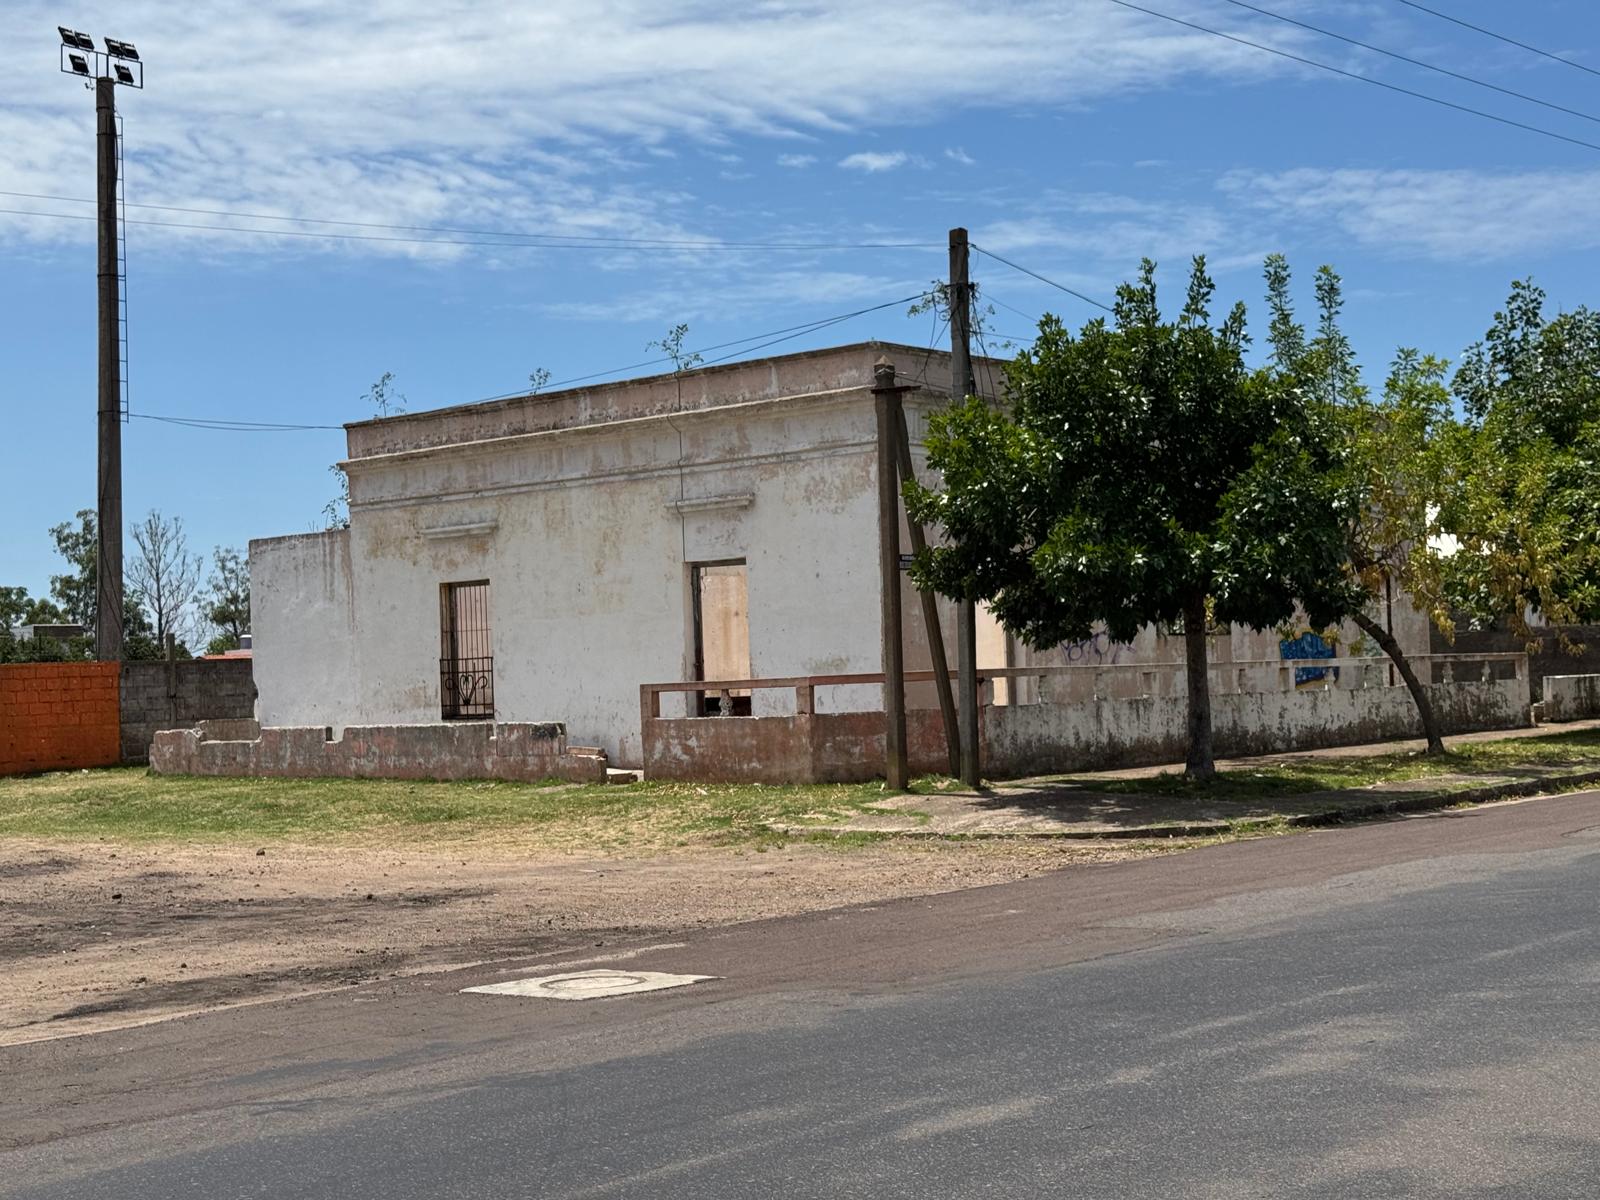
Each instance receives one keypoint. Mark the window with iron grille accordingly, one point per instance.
(466, 656)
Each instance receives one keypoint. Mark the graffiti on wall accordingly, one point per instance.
(1097, 650)
(1309, 645)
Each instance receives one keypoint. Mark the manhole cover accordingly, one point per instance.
(588, 985)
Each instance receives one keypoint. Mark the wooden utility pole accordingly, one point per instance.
(886, 397)
(962, 386)
(108, 512)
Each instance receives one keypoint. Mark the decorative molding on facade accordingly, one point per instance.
(436, 533)
(703, 504)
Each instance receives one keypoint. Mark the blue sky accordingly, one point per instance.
(1073, 137)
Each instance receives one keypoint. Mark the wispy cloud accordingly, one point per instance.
(959, 155)
(1464, 215)
(796, 160)
(435, 120)
(875, 160)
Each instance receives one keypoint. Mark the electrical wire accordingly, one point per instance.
(773, 337)
(991, 298)
(1042, 279)
(1415, 62)
(554, 241)
(1497, 36)
(1329, 67)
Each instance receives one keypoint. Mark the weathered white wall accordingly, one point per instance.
(1095, 734)
(302, 618)
(1570, 698)
(585, 533)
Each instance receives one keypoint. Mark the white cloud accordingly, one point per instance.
(874, 160)
(796, 160)
(421, 113)
(1444, 214)
(958, 154)
(722, 295)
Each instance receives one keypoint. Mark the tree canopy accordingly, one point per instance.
(1527, 512)
(1140, 472)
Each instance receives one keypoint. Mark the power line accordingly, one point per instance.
(991, 298)
(551, 240)
(1497, 36)
(1042, 279)
(1415, 62)
(1322, 66)
(237, 426)
(775, 335)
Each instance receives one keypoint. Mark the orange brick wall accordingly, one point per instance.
(56, 716)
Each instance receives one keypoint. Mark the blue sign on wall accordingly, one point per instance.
(1308, 645)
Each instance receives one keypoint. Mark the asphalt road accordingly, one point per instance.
(1401, 1009)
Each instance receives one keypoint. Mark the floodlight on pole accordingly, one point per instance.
(118, 62)
(117, 66)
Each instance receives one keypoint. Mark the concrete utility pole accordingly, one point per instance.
(108, 511)
(118, 65)
(961, 386)
(886, 398)
(930, 609)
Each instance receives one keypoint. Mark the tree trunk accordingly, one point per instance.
(1200, 764)
(1419, 694)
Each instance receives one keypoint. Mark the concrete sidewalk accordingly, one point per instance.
(1072, 806)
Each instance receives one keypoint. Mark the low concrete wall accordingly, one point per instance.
(1570, 698)
(1094, 734)
(170, 695)
(1547, 658)
(447, 750)
(1044, 738)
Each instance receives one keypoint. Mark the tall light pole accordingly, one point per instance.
(118, 65)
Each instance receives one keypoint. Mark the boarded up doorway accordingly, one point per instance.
(721, 634)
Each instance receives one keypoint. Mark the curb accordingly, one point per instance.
(1424, 802)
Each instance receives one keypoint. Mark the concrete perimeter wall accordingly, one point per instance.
(1546, 658)
(1570, 698)
(163, 695)
(58, 716)
(1034, 739)
(460, 750)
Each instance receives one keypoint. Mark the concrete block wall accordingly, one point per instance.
(58, 716)
(162, 695)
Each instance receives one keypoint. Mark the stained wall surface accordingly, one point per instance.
(585, 512)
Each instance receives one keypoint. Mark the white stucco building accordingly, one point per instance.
(537, 559)
(540, 558)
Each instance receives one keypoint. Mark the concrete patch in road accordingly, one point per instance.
(588, 985)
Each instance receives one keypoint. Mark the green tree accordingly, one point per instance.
(17, 608)
(1141, 472)
(1398, 451)
(74, 589)
(13, 606)
(226, 602)
(1527, 511)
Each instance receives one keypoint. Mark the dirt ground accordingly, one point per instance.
(97, 935)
